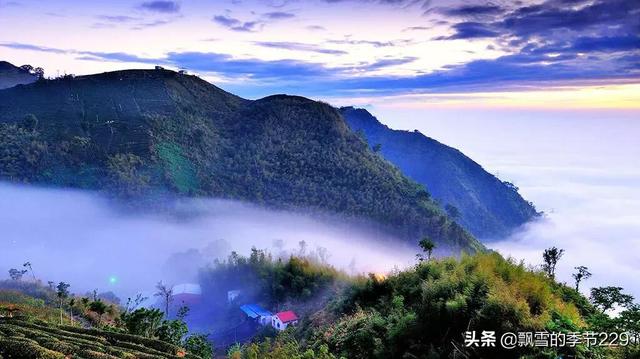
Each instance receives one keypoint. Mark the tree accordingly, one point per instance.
(302, 251)
(98, 307)
(198, 345)
(63, 293)
(72, 302)
(15, 274)
(452, 211)
(166, 293)
(30, 123)
(27, 68)
(605, 298)
(377, 147)
(172, 331)
(142, 321)
(126, 176)
(39, 73)
(581, 274)
(630, 319)
(134, 303)
(28, 265)
(427, 246)
(551, 257)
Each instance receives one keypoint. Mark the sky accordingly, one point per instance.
(405, 53)
(581, 168)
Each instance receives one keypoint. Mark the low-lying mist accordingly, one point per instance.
(580, 167)
(594, 217)
(81, 238)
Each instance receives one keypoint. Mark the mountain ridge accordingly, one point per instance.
(137, 132)
(11, 75)
(488, 207)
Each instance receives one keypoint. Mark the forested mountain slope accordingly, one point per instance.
(148, 132)
(486, 206)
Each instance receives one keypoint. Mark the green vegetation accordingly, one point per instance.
(480, 202)
(284, 346)
(179, 170)
(424, 311)
(50, 322)
(24, 339)
(421, 312)
(270, 281)
(146, 133)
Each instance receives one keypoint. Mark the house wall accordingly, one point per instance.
(279, 325)
(265, 320)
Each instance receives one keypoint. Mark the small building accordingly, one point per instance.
(188, 294)
(282, 320)
(257, 313)
(232, 295)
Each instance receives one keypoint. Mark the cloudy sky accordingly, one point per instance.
(582, 53)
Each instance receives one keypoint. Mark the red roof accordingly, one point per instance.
(288, 316)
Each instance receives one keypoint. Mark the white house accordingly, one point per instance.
(282, 320)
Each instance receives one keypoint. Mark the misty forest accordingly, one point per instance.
(151, 214)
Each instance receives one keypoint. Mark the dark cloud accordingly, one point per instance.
(231, 67)
(472, 10)
(550, 41)
(504, 73)
(553, 15)
(550, 20)
(134, 23)
(279, 15)
(383, 63)
(161, 6)
(470, 30)
(237, 25)
(19, 46)
(254, 25)
(297, 46)
(114, 57)
(84, 55)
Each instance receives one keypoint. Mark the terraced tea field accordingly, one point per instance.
(20, 339)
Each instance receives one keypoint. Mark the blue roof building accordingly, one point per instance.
(255, 311)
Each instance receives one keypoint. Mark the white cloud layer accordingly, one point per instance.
(80, 238)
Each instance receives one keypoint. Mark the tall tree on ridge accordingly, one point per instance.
(551, 257)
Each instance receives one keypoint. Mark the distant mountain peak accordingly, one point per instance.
(11, 75)
(479, 201)
(4, 65)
